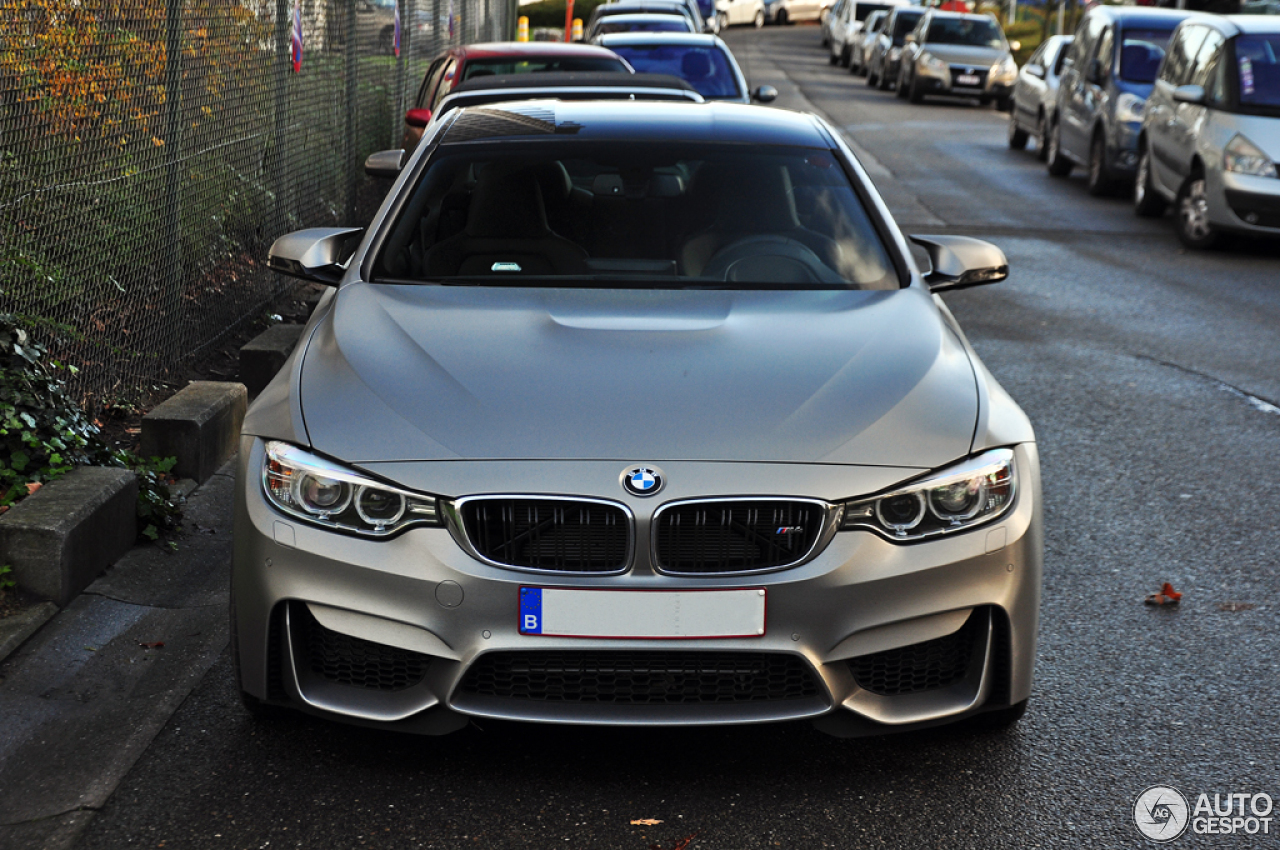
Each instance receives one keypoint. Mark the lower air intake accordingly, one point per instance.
(353, 661)
(920, 667)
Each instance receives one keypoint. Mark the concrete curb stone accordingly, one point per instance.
(199, 425)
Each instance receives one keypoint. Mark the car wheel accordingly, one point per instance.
(759, 19)
(1100, 181)
(914, 93)
(1059, 165)
(1017, 136)
(832, 59)
(1004, 104)
(846, 56)
(782, 18)
(1146, 201)
(1042, 138)
(872, 78)
(899, 87)
(1194, 229)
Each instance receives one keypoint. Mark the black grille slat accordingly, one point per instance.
(547, 534)
(735, 536)
(641, 678)
(356, 662)
(919, 667)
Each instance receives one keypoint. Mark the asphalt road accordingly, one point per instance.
(1152, 376)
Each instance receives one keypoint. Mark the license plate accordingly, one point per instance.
(643, 614)
(968, 79)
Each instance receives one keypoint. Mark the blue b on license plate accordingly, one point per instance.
(643, 614)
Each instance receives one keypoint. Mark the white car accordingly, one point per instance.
(731, 12)
(1035, 95)
(844, 25)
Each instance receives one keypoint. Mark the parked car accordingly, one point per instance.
(460, 64)
(688, 9)
(862, 41)
(513, 473)
(1210, 136)
(703, 61)
(886, 52)
(845, 23)
(1109, 71)
(957, 55)
(732, 12)
(640, 23)
(1035, 94)
(783, 12)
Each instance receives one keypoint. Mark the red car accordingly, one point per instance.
(505, 57)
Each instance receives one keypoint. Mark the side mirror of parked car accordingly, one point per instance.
(1036, 71)
(764, 94)
(317, 254)
(1189, 94)
(418, 117)
(385, 164)
(959, 262)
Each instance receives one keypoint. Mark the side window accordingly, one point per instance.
(1215, 85)
(1063, 52)
(1086, 37)
(446, 82)
(1037, 58)
(429, 81)
(1206, 58)
(1106, 52)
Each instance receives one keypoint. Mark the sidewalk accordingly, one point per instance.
(85, 696)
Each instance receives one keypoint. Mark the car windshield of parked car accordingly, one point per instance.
(707, 69)
(1140, 54)
(1258, 67)
(618, 23)
(538, 64)
(969, 32)
(562, 212)
(865, 10)
(707, 8)
(904, 24)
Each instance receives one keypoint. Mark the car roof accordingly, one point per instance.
(629, 39)
(646, 16)
(500, 49)
(572, 79)
(1139, 15)
(620, 7)
(964, 16)
(658, 121)
(1262, 24)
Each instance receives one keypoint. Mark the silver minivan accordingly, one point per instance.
(1210, 137)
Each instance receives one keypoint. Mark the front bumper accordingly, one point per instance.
(939, 82)
(316, 612)
(1245, 203)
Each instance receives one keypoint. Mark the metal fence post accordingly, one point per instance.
(171, 236)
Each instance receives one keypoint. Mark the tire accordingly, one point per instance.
(1146, 201)
(872, 78)
(883, 83)
(1017, 136)
(758, 21)
(1059, 165)
(1004, 104)
(914, 94)
(781, 19)
(1042, 138)
(1192, 212)
(846, 56)
(900, 88)
(832, 59)
(1100, 182)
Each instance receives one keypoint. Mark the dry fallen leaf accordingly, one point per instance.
(33, 486)
(645, 822)
(1166, 596)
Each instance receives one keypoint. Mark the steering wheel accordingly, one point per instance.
(769, 258)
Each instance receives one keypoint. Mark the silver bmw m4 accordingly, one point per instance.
(635, 413)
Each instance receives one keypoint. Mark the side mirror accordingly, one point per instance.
(1189, 94)
(959, 262)
(385, 164)
(764, 94)
(318, 254)
(1035, 71)
(418, 117)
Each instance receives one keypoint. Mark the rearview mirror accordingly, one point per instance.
(318, 254)
(959, 262)
(1035, 71)
(385, 164)
(764, 94)
(1189, 94)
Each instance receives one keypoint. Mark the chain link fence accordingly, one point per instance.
(151, 150)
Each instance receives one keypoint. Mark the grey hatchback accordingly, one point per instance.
(635, 413)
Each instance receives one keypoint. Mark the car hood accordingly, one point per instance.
(403, 372)
(961, 54)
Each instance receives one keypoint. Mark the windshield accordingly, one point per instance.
(1140, 54)
(1258, 66)
(538, 64)
(560, 212)
(970, 32)
(619, 23)
(865, 10)
(707, 69)
(707, 8)
(904, 24)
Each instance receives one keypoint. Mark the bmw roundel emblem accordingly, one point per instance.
(642, 480)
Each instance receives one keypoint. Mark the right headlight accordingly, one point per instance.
(1129, 107)
(332, 496)
(1244, 157)
(958, 498)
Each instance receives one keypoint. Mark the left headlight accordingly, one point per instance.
(934, 65)
(1006, 69)
(1129, 107)
(1244, 157)
(970, 493)
(332, 496)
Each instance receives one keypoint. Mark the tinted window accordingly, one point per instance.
(1063, 51)
(534, 65)
(904, 23)
(1140, 53)
(876, 21)
(705, 68)
(556, 212)
(971, 32)
(1258, 70)
(865, 10)
(666, 25)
